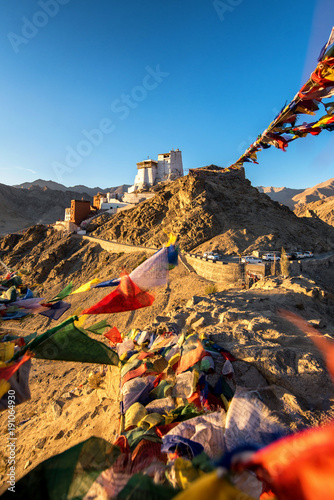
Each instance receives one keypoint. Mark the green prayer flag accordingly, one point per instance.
(40, 338)
(136, 435)
(68, 475)
(66, 342)
(14, 281)
(160, 391)
(227, 391)
(64, 293)
(98, 328)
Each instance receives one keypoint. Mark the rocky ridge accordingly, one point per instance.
(209, 209)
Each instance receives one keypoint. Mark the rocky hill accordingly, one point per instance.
(75, 189)
(324, 209)
(210, 209)
(292, 198)
(21, 208)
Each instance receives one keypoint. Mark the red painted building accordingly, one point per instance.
(80, 210)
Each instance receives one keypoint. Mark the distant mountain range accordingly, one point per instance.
(323, 209)
(40, 202)
(287, 196)
(317, 201)
(77, 189)
(293, 197)
(21, 208)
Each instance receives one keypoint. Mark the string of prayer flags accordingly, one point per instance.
(283, 129)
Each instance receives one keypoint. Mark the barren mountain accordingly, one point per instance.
(293, 197)
(324, 209)
(283, 195)
(21, 208)
(75, 189)
(216, 210)
(315, 193)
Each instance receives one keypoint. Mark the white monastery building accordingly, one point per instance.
(168, 168)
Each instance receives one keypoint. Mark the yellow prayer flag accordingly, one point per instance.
(150, 420)
(81, 318)
(172, 239)
(4, 387)
(6, 351)
(87, 286)
(325, 119)
(134, 415)
(211, 486)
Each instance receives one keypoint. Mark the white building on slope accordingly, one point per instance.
(168, 168)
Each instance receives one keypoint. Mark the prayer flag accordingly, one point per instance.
(300, 466)
(113, 282)
(113, 336)
(87, 286)
(64, 293)
(127, 297)
(55, 311)
(98, 328)
(153, 272)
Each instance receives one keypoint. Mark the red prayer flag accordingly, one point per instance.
(138, 372)
(190, 358)
(113, 336)
(161, 430)
(126, 297)
(299, 466)
(8, 372)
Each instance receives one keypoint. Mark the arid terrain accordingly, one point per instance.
(274, 358)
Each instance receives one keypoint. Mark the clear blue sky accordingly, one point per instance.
(155, 75)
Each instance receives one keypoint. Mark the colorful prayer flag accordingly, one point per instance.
(127, 297)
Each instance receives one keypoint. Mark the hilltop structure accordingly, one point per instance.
(168, 168)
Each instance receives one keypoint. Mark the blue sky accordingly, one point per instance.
(90, 87)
